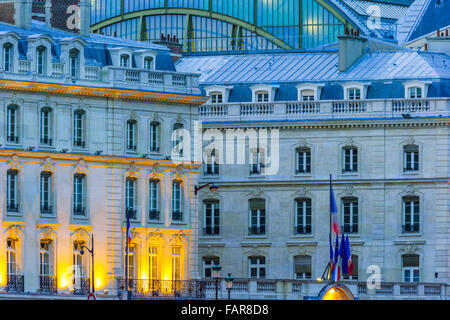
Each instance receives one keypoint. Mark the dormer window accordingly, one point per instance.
(307, 95)
(74, 62)
(216, 97)
(41, 60)
(262, 96)
(125, 61)
(148, 63)
(8, 57)
(354, 94)
(414, 92)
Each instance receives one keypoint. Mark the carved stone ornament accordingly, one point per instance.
(349, 142)
(179, 171)
(133, 171)
(302, 251)
(15, 231)
(81, 166)
(47, 164)
(349, 190)
(302, 143)
(15, 162)
(257, 192)
(156, 170)
(410, 249)
(410, 189)
(47, 233)
(410, 140)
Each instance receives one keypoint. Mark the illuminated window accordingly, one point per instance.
(410, 267)
(131, 135)
(132, 261)
(154, 199)
(41, 60)
(302, 265)
(12, 204)
(155, 128)
(153, 262)
(350, 214)
(257, 267)
(46, 193)
(176, 263)
(208, 264)
(80, 281)
(211, 220)
(11, 257)
(46, 126)
(12, 124)
(350, 159)
(79, 196)
(44, 265)
(177, 213)
(257, 217)
(8, 57)
(303, 216)
(411, 214)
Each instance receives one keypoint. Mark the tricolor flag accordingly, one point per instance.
(334, 213)
(344, 255)
(349, 257)
(336, 270)
(128, 229)
(330, 270)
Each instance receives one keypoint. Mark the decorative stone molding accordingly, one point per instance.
(15, 231)
(349, 142)
(47, 233)
(155, 170)
(349, 190)
(133, 171)
(179, 172)
(81, 167)
(256, 193)
(302, 192)
(47, 165)
(302, 143)
(302, 250)
(410, 189)
(410, 140)
(80, 234)
(410, 248)
(15, 162)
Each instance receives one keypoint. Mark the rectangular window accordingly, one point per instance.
(78, 195)
(130, 198)
(354, 94)
(12, 125)
(176, 263)
(148, 63)
(262, 96)
(211, 166)
(154, 137)
(411, 216)
(11, 258)
(257, 161)
(7, 57)
(132, 262)
(78, 129)
(177, 143)
(41, 61)
(216, 98)
(211, 218)
(45, 194)
(302, 267)
(154, 194)
(350, 160)
(153, 263)
(303, 216)
(208, 264)
(45, 127)
(411, 158)
(410, 268)
(350, 215)
(131, 135)
(257, 267)
(303, 160)
(11, 191)
(44, 265)
(124, 61)
(257, 217)
(177, 214)
(415, 93)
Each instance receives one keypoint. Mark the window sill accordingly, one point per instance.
(349, 173)
(414, 173)
(256, 176)
(299, 174)
(410, 235)
(177, 222)
(303, 236)
(14, 214)
(80, 218)
(155, 222)
(251, 237)
(211, 237)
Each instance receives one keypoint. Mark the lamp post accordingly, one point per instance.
(213, 187)
(91, 251)
(216, 275)
(229, 283)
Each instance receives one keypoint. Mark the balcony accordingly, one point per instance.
(79, 211)
(14, 283)
(148, 288)
(257, 231)
(48, 285)
(177, 216)
(153, 215)
(325, 109)
(46, 209)
(81, 286)
(211, 231)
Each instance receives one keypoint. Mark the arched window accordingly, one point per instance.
(46, 124)
(410, 158)
(154, 195)
(131, 135)
(411, 214)
(153, 263)
(208, 264)
(350, 214)
(12, 204)
(79, 264)
(302, 216)
(79, 128)
(74, 63)
(410, 267)
(125, 61)
(155, 133)
(177, 201)
(148, 63)
(8, 57)
(349, 159)
(130, 198)
(257, 267)
(257, 217)
(12, 124)
(211, 217)
(302, 267)
(79, 194)
(176, 263)
(41, 60)
(45, 195)
(303, 160)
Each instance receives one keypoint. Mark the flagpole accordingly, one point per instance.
(126, 260)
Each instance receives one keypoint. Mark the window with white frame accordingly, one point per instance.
(303, 216)
(74, 63)
(155, 129)
(12, 204)
(153, 263)
(154, 199)
(79, 196)
(257, 161)
(148, 63)
(79, 125)
(411, 214)
(216, 97)
(12, 124)
(8, 57)
(350, 214)
(125, 61)
(257, 267)
(45, 260)
(303, 160)
(302, 265)
(354, 275)
(410, 158)
(307, 95)
(211, 165)
(132, 261)
(177, 213)
(79, 267)
(349, 159)
(257, 217)
(354, 94)
(262, 96)
(414, 92)
(130, 197)
(176, 263)
(11, 257)
(208, 264)
(410, 267)
(46, 126)
(131, 135)
(177, 129)
(45, 195)
(41, 60)
(211, 217)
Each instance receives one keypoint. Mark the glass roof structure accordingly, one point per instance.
(236, 25)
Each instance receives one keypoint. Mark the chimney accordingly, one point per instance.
(85, 17)
(172, 43)
(16, 12)
(351, 48)
(73, 16)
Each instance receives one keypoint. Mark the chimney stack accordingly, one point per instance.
(16, 12)
(351, 48)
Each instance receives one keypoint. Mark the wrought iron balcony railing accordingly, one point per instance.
(14, 283)
(48, 284)
(81, 285)
(12, 207)
(46, 209)
(153, 215)
(142, 288)
(79, 211)
(211, 231)
(177, 215)
(257, 231)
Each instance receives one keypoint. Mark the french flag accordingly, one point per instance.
(334, 213)
(128, 229)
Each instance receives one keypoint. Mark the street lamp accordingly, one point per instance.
(213, 187)
(91, 251)
(229, 283)
(216, 275)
